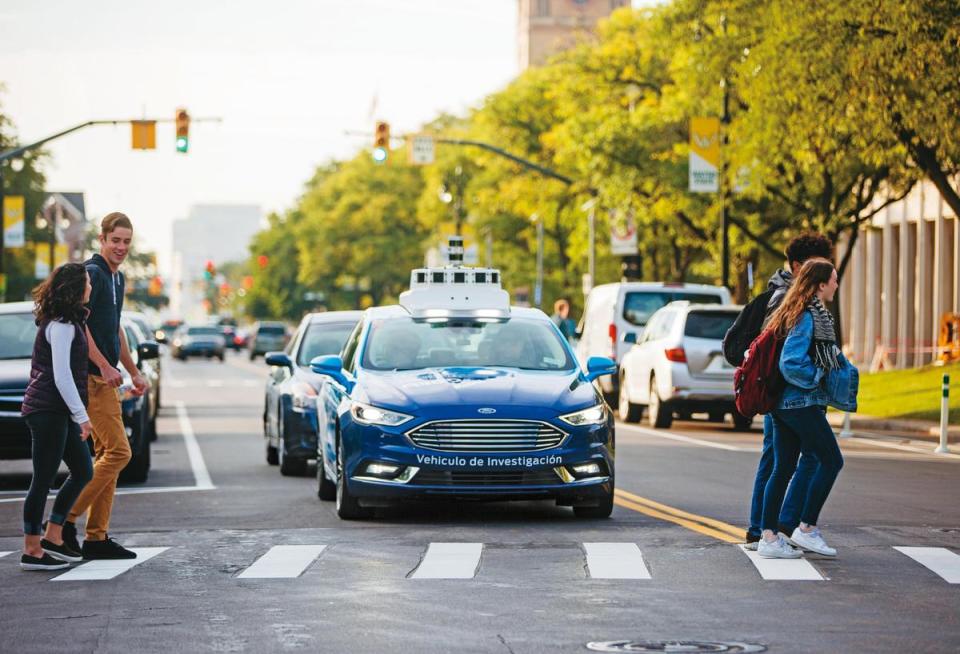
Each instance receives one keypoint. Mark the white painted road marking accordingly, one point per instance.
(615, 561)
(685, 439)
(449, 561)
(940, 560)
(783, 569)
(108, 569)
(214, 383)
(200, 472)
(3, 554)
(282, 562)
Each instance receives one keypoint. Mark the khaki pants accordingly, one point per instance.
(111, 455)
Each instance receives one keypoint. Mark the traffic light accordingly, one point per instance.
(183, 130)
(381, 142)
(208, 270)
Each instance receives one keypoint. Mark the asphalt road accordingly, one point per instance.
(519, 577)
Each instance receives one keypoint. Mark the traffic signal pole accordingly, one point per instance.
(16, 152)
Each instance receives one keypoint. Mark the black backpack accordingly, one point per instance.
(746, 328)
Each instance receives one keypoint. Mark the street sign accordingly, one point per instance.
(143, 134)
(704, 155)
(422, 150)
(623, 233)
(13, 233)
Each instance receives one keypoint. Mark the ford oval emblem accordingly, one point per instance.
(486, 411)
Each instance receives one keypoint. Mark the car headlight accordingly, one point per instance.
(595, 415)
(304, 396)
(371, 415)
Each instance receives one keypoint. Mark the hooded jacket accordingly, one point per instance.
(106, 303)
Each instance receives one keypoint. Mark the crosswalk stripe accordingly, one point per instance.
(283, 561)
(783, 569)
(449, 561)
(108, 569)
(940, 560)
(3, 554)
(615, 561)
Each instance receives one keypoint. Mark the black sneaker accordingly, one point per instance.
(45, 562)
(61, 552)
(70, 537)
(105, 549)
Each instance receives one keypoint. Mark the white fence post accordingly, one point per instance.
(944, 416)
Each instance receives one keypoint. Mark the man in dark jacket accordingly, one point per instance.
(801, 248)
(108, 347)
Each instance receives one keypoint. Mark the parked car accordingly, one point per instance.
(614, 312)
(289, 407)
(17, 333)
(148, 333)
(198, 340)
(139, 412)
(166, 331)
(267, 337)
(677, 367)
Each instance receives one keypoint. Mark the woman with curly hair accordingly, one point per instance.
(54, 406)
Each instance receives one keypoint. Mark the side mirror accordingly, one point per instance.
(600, 366)
(148, 350)
(630, 337)
(279, 359)
(331, 365)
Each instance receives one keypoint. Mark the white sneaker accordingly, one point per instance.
(778, 549)
(751, 547)
(812, 541)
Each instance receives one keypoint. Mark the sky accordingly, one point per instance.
(289, 78)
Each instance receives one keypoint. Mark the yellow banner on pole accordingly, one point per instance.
(704, 155)
(41, 261)
(13, 223)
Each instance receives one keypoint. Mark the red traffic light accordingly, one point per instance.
(262, 261)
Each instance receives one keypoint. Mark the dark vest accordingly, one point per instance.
(42, 393)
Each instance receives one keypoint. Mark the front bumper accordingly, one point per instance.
(506, 475)
(14, 438)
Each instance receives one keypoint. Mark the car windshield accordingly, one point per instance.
(408, 344)
(322, 339)
(708, 324)
(271, 330)
(17, 333)
(204, 331)
(638, 306)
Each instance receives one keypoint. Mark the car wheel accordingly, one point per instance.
(289, 466)
(741, 423)
(716, 416)
(153, 426)
(629, 412)
(658, 412)
(326, 489)
(348, 508)
(601, 510)
(272, 454)
(221, 357)
(138, 468)
(253, 356)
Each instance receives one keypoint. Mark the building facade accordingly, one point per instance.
(903, 276)
(545, 27)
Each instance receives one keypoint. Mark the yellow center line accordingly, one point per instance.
(701, 524)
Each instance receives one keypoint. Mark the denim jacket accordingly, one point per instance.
(808, 385)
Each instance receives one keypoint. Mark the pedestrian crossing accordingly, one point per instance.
(464, 561)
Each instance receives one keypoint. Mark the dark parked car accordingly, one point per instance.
(17, 331)
(267, 337)
(198, 340)
(289, 412)
(139, 412)
(149, 334)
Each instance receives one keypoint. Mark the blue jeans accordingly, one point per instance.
(790, 512)
(795, 431)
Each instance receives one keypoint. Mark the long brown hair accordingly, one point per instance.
(814, 272)
(60, 296)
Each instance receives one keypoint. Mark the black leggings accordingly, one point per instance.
(55, 437)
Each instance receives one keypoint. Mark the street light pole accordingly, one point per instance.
(538, 288)
(724, 218)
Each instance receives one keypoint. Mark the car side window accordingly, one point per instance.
(350, 349)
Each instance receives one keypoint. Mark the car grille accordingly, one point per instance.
(487, 436)
(10, 401)
(473, 478)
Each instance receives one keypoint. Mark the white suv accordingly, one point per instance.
(677, 367)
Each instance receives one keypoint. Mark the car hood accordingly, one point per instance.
(561, 391)
(14, 374)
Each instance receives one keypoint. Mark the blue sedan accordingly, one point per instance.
(432, 405)
(289, 406)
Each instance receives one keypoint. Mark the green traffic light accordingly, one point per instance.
(379, 155)
(182, 143)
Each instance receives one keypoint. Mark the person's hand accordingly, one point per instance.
(111, 376)
(85, 429)
(139, 385)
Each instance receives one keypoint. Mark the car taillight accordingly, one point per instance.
(612, 332)
(676, 354)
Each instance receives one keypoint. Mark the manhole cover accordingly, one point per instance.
(684, 646)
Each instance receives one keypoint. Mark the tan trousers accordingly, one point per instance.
(111, 455)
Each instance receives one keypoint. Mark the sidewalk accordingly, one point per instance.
(925, 430)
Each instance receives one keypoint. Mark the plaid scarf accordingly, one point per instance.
(824, 336)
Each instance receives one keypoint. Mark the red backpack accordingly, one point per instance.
(757, 382)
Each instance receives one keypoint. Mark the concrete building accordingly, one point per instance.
(903, 276)
(545, 27)
(212, 232)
